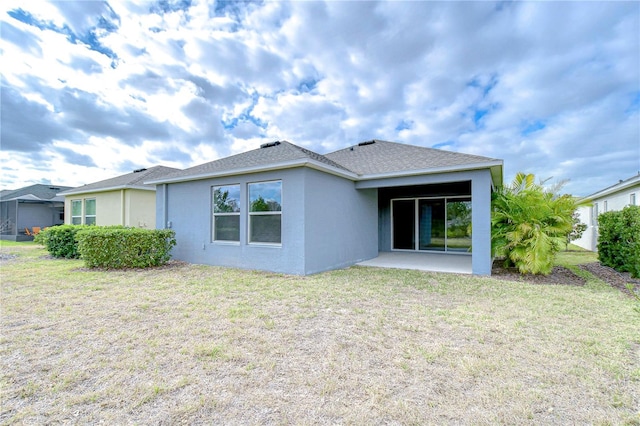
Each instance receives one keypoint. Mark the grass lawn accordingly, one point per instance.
(197, 344)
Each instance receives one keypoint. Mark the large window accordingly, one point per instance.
(265, 212)
(226, 213)
(90, 211)
(76, 212)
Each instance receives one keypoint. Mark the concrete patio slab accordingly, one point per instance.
(434, 262)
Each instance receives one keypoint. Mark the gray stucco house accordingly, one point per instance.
(34, 205)
(284, 208)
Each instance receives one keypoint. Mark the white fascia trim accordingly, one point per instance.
(613, 189)
(271, 167)
(446, 169)
(111, 188)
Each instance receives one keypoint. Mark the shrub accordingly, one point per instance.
(117, 247)
(60, 240)
(530, 224)
(619, 240)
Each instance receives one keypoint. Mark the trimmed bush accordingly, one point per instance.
(111, 247)
(619, 240)
(60, 240)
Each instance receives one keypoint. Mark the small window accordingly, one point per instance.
(605, 207)
(632, 199)
(90, 211)
(226, 213)
(265, 212)
(594, 216)
(76, 212)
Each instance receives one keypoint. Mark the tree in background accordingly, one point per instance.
(577, 230)
(530, 224)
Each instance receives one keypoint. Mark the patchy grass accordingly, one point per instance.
(199, 344)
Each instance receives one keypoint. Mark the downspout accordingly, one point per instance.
(165, 207)
(122, 209)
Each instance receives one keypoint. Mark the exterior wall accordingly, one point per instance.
(128, 207)
(186, 208)
(481, 210)
(614, 202)
(140, 208)
(341, 222)
(589, 238)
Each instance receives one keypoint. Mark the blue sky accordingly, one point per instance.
(92, 90)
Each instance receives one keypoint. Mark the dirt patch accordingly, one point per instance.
(4, 257)
(563, 276)
(171, 264)
(558, 276)
(612, 277)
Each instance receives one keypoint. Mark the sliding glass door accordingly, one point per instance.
(432, 224)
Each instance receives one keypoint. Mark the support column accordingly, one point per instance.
(481, 223)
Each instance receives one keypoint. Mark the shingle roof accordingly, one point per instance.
(621, 185)
(133, 179)
(276, 153)
(41, 191)
(365, 159)
(380, 157)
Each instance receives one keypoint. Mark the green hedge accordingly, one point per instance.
(619, 240)
(60, 240)
(110, 247)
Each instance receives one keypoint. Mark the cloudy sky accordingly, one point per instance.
(92, 90)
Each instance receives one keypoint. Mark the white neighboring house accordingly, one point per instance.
(616, 197)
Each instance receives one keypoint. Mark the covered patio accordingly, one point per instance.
(434, 262)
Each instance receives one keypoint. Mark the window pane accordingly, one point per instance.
(90, 207)
(90, 220)
(226, 199)
(431, 225)
(76, 220)
(265, 228)
(226, 228)
(265, 197)
(459, 225)
(76, 208)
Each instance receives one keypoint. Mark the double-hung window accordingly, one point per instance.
(86, 215)
(90, 211)
(226, 213)
(76, 212)
(265, 212)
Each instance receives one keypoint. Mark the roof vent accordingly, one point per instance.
(54, 188)
(371, 142)
(139, 170)
(270, 144)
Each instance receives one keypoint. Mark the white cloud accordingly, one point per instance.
(552, 88)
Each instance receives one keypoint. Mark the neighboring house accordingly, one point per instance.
(123, 200)
(616, 197)
(286, 209)
(28, 207)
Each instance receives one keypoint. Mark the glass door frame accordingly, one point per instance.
(416, 226)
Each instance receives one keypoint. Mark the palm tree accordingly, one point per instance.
(530, 224)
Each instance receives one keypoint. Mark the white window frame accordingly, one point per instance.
(251, 214)
(90, 215)
(222, 214)
(71, 212)
(632, 199)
